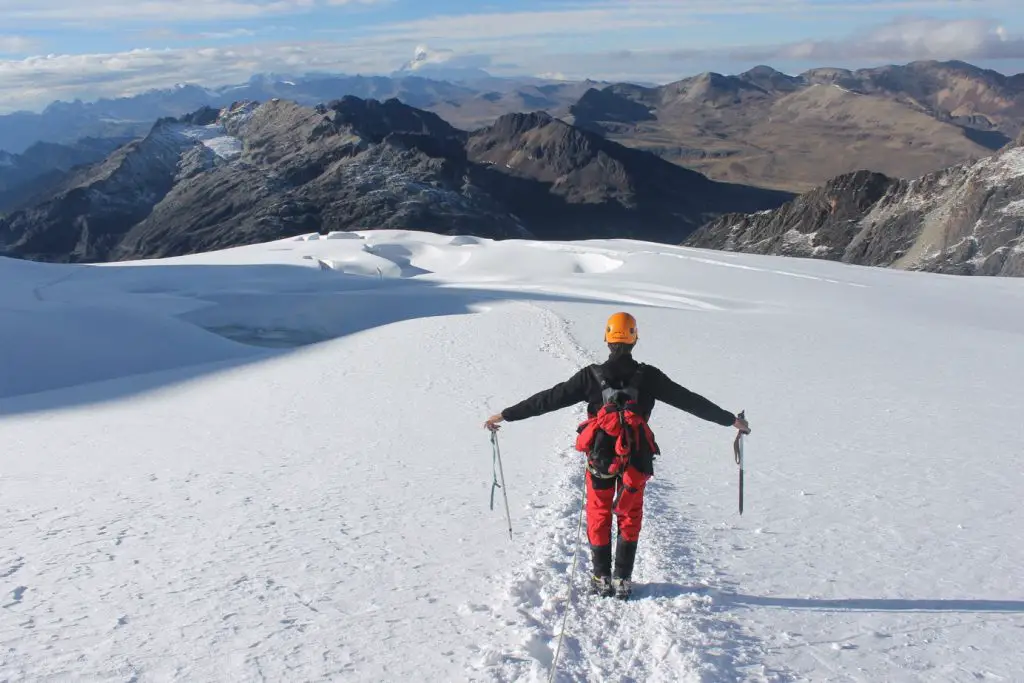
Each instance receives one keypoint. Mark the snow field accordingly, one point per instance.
(191, 489)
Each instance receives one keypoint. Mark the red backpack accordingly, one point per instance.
(618, 430)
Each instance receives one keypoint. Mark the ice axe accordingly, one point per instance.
(737, 450)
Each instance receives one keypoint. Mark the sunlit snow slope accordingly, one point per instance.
(268, 463)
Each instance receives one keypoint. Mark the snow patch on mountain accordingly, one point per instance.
(795, 242)
(215, 138)
(221, 136)
(237, 114)
(1014, 208)
(1008, 165)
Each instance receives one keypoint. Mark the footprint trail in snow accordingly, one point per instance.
(668, 630)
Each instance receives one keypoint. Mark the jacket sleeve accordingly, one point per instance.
(682, 398)
(562, 395)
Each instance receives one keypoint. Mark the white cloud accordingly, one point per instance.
(425, 58)
(616, 16)
(226, 34)
(37, 81)
(39, 12)
(523, 48)
(516, 24)
(553, 76)
(904, 40)
(12, 45)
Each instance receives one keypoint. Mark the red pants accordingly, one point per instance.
(630, 510)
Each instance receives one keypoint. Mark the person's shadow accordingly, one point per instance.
(875, 604)
(652, 591)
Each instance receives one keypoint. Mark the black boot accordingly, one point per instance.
(601, 570)
(625, 556)
(601, 560)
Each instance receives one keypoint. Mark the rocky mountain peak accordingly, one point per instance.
(374, 120)
(761, 71)
(203, 116)
(826, 74)
(716, 90)
(771, 80)
(597, 107)
(536, 144)
(512, 125)
(949, 67)
(966, 219)
(817, 223)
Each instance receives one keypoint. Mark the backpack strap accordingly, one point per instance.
(637, 378)
(630, 388)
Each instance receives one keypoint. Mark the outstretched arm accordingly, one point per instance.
(682, 398)
(562, 395)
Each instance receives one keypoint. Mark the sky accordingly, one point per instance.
(66, 49)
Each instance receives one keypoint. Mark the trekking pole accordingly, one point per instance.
(737, 449)
(496, 460)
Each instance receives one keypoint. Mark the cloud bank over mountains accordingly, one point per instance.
(48, 50)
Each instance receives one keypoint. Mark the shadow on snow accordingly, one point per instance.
(656, 591)
(874, 604)
(104, 333)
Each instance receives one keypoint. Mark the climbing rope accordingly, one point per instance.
(572, 583)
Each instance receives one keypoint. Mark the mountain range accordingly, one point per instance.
(468, 104)
(42, 165)
(947, 198)
(794, 132)
(255, 172)
(761, 127)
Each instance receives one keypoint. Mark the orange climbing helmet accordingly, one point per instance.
(621, 329)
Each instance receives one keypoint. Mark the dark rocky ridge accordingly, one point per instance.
(967, 219)
(28, 175)
(90, 210)
(357, 164)
(466, 104)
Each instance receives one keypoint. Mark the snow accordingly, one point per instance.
(1002, 168)
(796, 243)
(238, 114)
(268, 463)
(215, 135)
(216, 139)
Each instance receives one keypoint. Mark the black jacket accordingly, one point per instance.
(583, 386)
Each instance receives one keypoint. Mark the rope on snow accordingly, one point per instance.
(572, 575)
